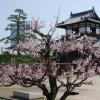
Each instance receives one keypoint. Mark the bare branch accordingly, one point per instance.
(36, 26)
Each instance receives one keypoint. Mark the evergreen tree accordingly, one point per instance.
(19, 29)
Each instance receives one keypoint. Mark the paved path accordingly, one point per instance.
(87, 92)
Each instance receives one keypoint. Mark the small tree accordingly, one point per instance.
(50, 67)
(18, 29)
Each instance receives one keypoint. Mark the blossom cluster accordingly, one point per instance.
(80, 44)
(31, 47)
(14, 72)
(79, 69)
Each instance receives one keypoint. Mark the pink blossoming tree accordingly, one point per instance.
(54, 71)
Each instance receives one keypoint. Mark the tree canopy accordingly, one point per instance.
(51, 70)
(19, 29)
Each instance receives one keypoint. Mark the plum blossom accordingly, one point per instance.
(74, 72)
(29, 46)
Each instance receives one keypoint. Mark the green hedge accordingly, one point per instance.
(7, 58)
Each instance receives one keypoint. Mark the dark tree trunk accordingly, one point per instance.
(53, 88)
(18, 35)
(18, 52)
(65, 95)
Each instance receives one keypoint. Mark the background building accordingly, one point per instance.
(86, 22)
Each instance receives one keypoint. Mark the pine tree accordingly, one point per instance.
(18, 28)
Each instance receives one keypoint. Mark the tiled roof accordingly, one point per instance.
(77, 17)
(81, 13)
(73, 20)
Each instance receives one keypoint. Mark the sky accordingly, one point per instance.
(44, 9)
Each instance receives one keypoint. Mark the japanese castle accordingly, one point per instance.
(86, 22)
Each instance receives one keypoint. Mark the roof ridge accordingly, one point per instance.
(81, 13)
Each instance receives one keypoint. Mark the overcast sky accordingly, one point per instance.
(44, 9)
